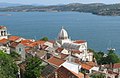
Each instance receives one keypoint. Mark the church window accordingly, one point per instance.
(20, 49)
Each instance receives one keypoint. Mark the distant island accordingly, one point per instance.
(94, 8)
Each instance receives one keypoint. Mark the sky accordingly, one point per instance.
(54, 2)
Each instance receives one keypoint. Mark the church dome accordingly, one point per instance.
(63, 34)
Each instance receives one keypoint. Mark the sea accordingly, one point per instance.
(101, 32)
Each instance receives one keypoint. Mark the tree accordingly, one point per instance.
(99, 75)
(44, 39)
(33, 67)
(112, 57)
(99, 57)
(8, 68)
(15, 55)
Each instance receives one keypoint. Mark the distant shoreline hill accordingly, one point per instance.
(94, 8)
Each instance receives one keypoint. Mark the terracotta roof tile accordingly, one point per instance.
(76, 51)
(3, 41)
(65, 73)
(14, 38)
(116, 65)
(32, 44)
(79, 41)
(40, 42)
(26, 42)
(85, 66)
(55, 61)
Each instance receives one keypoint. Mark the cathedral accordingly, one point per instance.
(77, 47)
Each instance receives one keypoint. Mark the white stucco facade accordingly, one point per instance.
(20, 49)
(72, 66)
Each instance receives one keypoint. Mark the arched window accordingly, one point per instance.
(1, 33)
(4, 33)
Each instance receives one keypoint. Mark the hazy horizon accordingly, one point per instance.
(56, 2)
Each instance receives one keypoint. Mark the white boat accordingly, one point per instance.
(110, 47)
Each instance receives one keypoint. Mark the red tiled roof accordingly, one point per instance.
(85, 66)
(32, 44)
(14, 38)
(76, 51)
(63, 72)
(80, 41)
(3, 41)
(59, 49)
(2, 27)
(55, 61)
(116, 65)
(26, 42)
(40, 42)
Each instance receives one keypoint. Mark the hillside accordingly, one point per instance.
(94, 8)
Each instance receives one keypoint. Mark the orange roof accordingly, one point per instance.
(26, 42)
(1, 27)
(40, 42)
(76, 51)
(3, 41)
(116, 65)
(13, 38)
(55, 61)
(63, 72)
(85, 66)
(32, 44)
(80, 41)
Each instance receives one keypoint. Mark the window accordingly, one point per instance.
(20, 49)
